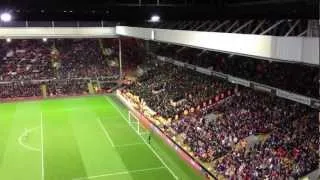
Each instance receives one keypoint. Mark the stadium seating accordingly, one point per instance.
(235, 132)
(248, 134)
(63, 65)
(170, 90)
(16, 90)
(272, 73)
(25, 60)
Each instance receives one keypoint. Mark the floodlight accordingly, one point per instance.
(6, 17)
(44, 39)
(155, 18)
(8, 40)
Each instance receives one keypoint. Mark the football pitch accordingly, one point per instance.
(81, 138)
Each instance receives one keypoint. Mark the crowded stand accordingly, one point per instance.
(133, 52)
(68, 87)
(291, 150)
(169, 90)
(160, 90)
(19, 90)
(247, 134)
(25, 60)
(80, 58)
(62, 58)
(272, 73)
(235, 132)
(247, 113)
(63, 65)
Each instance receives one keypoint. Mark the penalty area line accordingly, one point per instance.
(128, 145)
(119, 173)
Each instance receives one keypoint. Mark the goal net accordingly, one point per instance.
(137, 126)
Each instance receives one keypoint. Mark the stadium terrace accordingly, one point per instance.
(173, 99)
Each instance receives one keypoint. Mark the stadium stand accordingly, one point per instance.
(246, 135)
(170, 90)
(64, 66)
(272, 73)
(25, 60)
(235, 132)
(15, 90)
(175, 90)
(80, 58)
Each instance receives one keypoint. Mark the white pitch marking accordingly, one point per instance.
(124, 117)
(119, 173)
(106, 132)
(127, 145)
(25, 145)
(74, 109)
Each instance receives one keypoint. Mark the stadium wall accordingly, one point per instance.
(182, 153)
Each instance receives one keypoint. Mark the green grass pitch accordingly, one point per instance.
(78, 139)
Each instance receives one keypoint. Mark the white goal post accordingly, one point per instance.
(134, 122)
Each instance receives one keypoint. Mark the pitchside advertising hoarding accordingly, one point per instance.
(239, 81)
(262, 88)
(294, 97)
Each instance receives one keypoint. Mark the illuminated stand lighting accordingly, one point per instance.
(155, 18)
(5, 17)
(44, 39)
(8, 40)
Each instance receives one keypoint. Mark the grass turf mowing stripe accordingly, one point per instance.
(124, 118)
(177, 164)
(127, 145)
(133, 157)
(120, 173)
(97, 154)
(74, 144)
(18, 162)
(42, 149)
(62, 157)
(105, 132)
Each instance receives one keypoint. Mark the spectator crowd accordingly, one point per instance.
(287, 132)
(63, 65)
(273, 73)
(213, 118)
(170, 90)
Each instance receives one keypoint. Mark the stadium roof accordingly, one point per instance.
(140, 10)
